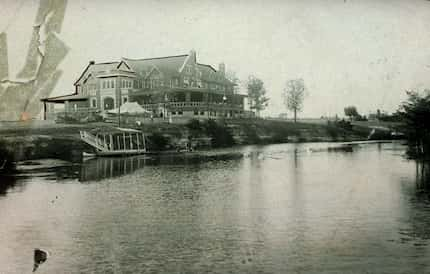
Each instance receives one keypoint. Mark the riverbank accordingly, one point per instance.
(40, 139)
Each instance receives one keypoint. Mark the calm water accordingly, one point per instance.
(272, 209)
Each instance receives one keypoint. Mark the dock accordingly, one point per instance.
(117, 142)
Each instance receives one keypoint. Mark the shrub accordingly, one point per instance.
(157, 141)
(219, 133)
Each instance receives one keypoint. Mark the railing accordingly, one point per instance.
(93, 141)
(78, 110)
(194, 104)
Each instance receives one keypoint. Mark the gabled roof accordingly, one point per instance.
(63, 98)
(169, 66)
(206, 68)
(97, 68)
(125, 64)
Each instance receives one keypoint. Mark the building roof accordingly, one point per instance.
(97, 67)
(63, 98)
(168, 66)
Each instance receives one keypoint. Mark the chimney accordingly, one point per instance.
(193, 55)
(221, 68)
(92, 62)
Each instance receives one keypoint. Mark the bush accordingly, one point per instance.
(6, 157)
(157, 141)
(346, 125)
(219, 133)
(194, 125)
(251, 134)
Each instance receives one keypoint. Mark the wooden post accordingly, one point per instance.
(118, 142)
(123, 140)
(137, 140)
(44, 110)
(144, 142)
(104, 140)
(131, 140)
(111, 142)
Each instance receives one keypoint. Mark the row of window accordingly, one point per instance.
(94, 101)
(190, 70)
(151, 84)
(110, 83)
(202, 113)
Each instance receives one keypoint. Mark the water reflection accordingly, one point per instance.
(109, 167)
(6, 182)
(292, 208)
(423, 175)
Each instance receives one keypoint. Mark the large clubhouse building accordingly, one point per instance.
(173, 86)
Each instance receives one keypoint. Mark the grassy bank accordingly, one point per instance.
(33, 141)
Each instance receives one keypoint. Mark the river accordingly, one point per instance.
(288, 208)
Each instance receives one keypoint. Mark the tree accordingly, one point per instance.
(351, 112)
(415, 114)
(256, 93)
(294, 94)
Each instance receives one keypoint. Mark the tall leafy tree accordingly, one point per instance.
(294, 95)
(415, 114)
(257, 94)
(351, 112)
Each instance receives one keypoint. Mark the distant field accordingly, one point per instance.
(319, 121)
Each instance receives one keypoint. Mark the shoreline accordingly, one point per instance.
(39, 140)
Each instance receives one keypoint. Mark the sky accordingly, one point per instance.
(353, 52)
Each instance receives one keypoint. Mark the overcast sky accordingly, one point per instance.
(363, 53)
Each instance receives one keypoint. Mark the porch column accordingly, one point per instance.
(44, 110)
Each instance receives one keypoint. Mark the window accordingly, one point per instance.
(124, 100)
(180, 112)
(202, 113)
(112, 84)
(104, 84)
(196, 112)
(93, 103)
(186, 81)
(173, 112)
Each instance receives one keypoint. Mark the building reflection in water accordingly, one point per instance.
(109, 167)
